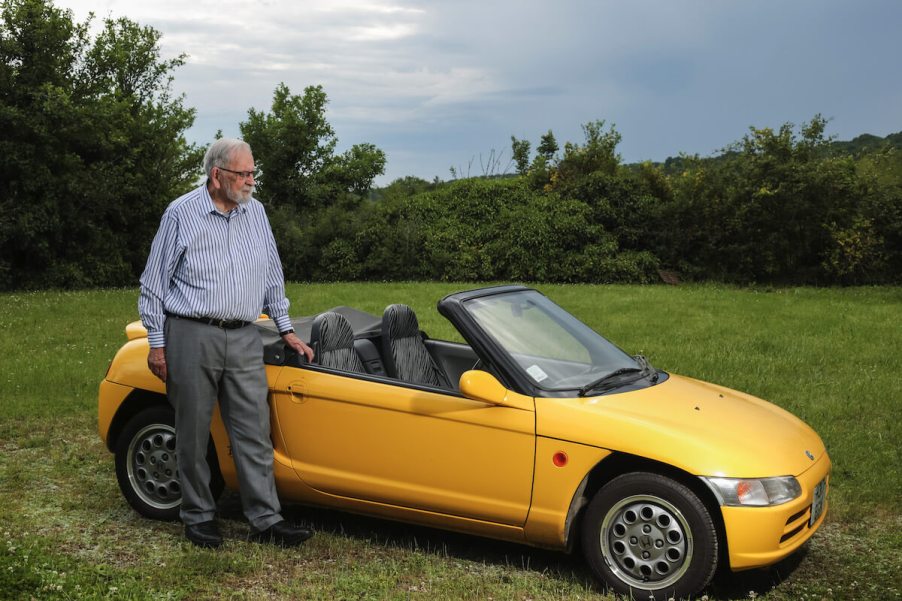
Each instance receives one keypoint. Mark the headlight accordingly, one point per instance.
(756, 492)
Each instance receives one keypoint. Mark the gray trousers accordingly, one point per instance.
(206, 363)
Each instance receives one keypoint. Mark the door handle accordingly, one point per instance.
(296, 392)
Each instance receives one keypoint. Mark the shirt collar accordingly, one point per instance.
(209, 207)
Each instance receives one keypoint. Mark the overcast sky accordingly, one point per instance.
(436, 84)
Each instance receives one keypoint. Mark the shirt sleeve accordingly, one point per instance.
(275, 303)
(156, 280)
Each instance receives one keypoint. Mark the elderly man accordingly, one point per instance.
(213, 267)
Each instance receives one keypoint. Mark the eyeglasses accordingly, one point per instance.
(241, 174)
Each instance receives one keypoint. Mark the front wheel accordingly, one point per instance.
(650, 537)
(147, 464)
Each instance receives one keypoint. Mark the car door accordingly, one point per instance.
(371, 439)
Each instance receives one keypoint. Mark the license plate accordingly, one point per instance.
(817, 505)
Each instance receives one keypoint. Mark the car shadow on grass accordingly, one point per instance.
(751, 583)
(726, 585)
(397, 535)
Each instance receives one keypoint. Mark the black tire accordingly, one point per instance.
(147, 464)
(650, 537)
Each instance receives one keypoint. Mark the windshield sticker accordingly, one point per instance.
(536, 372)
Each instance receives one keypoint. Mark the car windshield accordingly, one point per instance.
(555, 349)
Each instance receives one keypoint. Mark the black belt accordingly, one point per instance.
(225, 324)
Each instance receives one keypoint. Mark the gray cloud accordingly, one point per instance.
(436, 83)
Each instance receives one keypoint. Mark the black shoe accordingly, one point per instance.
(204, 534)
(282, 534)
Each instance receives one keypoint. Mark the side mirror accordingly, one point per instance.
(482, 386)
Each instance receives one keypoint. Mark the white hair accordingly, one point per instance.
(220, 151)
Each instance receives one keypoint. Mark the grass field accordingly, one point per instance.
(833, 357)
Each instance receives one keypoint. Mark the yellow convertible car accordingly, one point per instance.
(539, 430)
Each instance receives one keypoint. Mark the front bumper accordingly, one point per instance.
(760, 536)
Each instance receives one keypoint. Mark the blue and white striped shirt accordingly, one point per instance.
(203, 263)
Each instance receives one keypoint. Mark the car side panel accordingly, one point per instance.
(293, 488)
(555, 486)
(408, 447)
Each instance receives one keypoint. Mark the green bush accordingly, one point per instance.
(476, 229)
(781, 208)
(92, 148)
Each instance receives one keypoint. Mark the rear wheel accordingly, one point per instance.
(147, 464)
(650, 537)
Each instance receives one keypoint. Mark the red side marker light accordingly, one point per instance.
(559, 459)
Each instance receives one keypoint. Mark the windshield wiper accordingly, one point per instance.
(647, 368)
(609, 377)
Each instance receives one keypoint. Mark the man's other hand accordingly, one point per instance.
(298, 345)
(156, 361)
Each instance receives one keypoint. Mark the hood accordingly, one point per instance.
(702, 428)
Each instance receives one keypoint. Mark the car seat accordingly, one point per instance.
(332, 340)
(369, 355)
(405, 355)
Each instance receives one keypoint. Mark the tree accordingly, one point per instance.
(597, 154)
(294, 148)
(542, 170)
(547, 147)
(520, 154)
(92, 147)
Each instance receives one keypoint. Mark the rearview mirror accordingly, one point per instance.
(482, 386)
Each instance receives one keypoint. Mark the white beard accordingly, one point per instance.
(241, 197)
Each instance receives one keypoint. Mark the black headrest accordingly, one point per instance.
(401, 321)
(329, 332)
(404, 353)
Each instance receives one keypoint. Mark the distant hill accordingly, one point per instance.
(857, 147)
(867, 143)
